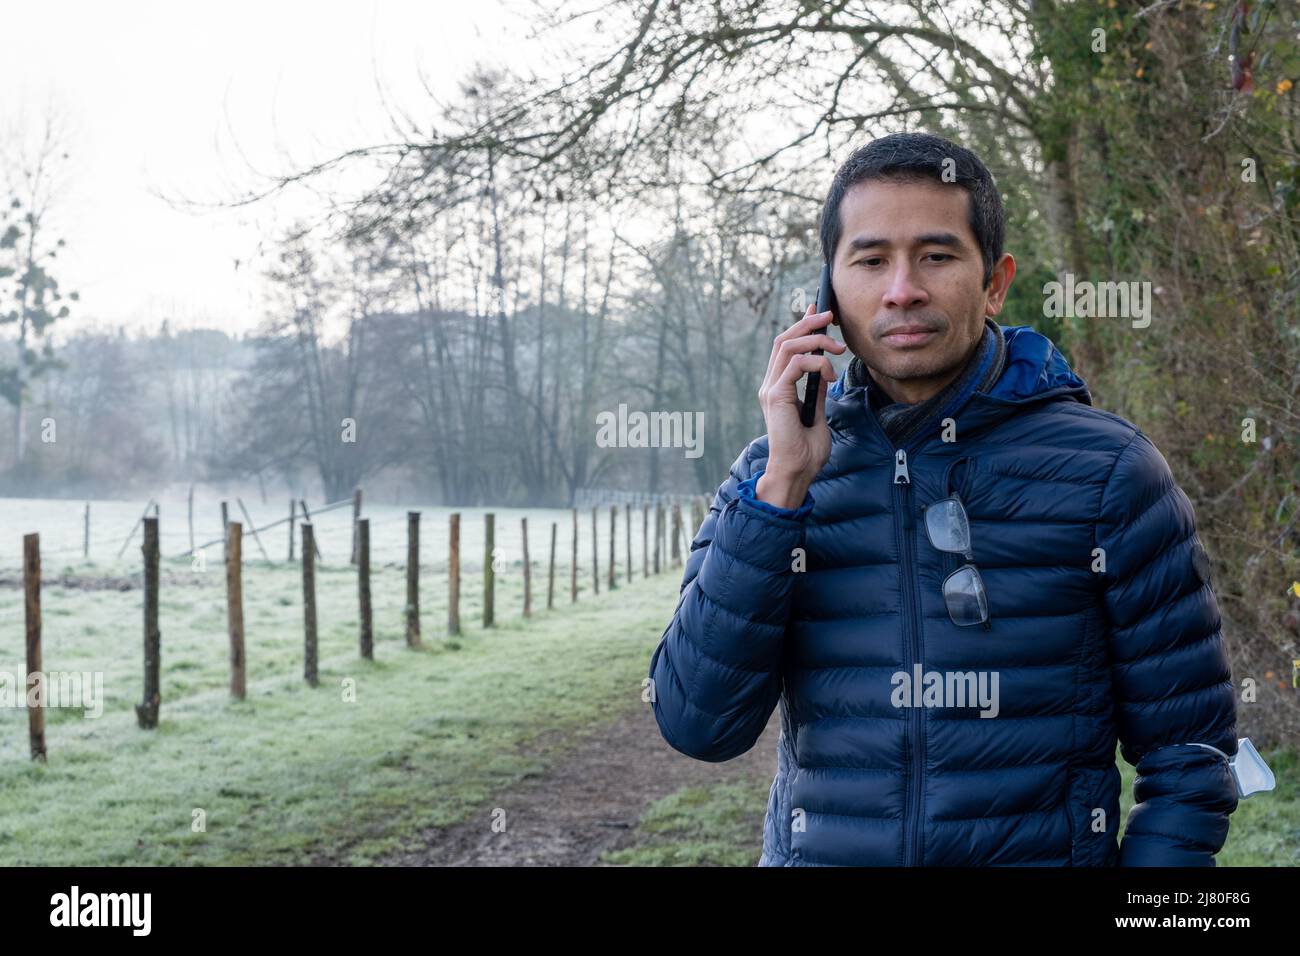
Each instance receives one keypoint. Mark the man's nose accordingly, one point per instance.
(903, 291)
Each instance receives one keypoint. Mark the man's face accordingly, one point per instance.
(909, 280)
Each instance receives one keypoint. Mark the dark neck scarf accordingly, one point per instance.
(903, 422)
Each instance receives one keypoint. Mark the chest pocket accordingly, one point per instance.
(958, 476)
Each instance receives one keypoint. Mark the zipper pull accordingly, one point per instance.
(901, 477)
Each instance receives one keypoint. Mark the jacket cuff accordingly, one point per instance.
(748, 489)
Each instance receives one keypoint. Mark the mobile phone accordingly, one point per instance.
(825, 300)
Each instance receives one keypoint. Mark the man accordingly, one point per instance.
(963, 583)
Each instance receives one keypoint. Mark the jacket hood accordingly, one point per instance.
(1035, 371)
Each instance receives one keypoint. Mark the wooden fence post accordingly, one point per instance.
(573, 563)
(667, 522)
(659, 521)
(413, 579)
(627, 528)
(147, 712)
(595, 554)
(677, 534)
(489, 573)
(363, 586)
(85, 547)
(189, 515)
(356, 517)
(235, 609)
(663, 536)
(306, 516)
(645, 541)
(453, 576)
(613, 560)
(225, 532)
(309, 605)
(293, 514)
(528, 575)
(550, 581)
(32, 610)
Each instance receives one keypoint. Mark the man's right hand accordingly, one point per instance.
(795, 452)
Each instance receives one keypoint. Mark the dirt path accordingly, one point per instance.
(590, 801)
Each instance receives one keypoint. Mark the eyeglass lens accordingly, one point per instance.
(963, 592)
(946, 524)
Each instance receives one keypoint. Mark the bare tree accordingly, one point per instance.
(26, 252)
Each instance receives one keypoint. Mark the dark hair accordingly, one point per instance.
(915, 156)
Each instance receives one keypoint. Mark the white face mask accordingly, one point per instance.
(1253, 775)
(1249, 771)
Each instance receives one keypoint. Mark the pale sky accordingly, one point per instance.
(165, 97)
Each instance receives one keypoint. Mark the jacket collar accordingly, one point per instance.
(1035, 371)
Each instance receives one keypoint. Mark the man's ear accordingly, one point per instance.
(1004, 270)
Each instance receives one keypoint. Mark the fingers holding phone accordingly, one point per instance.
(795, 452)
(812, 389)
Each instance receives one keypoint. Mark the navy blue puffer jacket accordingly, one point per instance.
(1102, 626)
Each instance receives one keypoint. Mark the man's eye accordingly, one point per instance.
(939, 256)
(870, 261)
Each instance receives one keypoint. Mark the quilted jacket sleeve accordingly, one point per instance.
(716, 672)
(1170, 677)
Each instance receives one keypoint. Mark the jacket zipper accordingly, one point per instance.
(902, 489)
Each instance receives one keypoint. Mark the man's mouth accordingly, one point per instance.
(906, 336)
